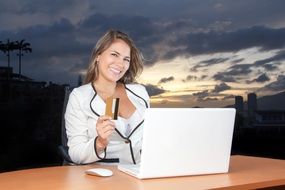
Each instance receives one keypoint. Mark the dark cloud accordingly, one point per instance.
(213, 61)
(190, 78)
(271, 62)
(260, 79)
(221, 87)
(100, 23)
(148, 33)
(203, 77)
(233, 73)
(242, 69)
(207, 95)
(200, 96)
(204, 96)
(165, 80)
(223, 76)
(237, 60)
(208, 62)
(231, 41)
(278, 85)
(214, 13)
(271, 67)
(154, 90)
(18, 7)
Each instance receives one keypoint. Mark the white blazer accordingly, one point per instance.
(82, 112)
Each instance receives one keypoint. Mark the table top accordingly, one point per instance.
(245, 173)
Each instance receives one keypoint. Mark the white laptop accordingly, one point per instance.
(184, 141)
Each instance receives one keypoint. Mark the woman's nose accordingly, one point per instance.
(121, 62)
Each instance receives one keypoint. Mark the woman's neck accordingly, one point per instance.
(105, 89)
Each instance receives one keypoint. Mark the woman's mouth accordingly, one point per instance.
(115, 71)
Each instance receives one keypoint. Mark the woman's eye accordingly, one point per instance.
(127, 60)
(114, 54)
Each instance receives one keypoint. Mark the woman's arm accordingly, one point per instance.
(81, 147)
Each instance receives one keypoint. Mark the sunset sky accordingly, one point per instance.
(197, 53)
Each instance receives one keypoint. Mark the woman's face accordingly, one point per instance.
(114, 61)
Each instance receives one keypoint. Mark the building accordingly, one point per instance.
(251, 104)
(31, 117)
(239, 104)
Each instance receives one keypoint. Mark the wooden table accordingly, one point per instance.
(245, 173)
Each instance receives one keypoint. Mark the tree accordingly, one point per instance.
(2, 47)
(22, 46)
(9, 46)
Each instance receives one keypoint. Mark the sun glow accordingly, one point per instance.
(185, 78)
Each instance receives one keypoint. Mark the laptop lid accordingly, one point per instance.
(186, 141)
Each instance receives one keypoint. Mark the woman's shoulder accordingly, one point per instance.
(82, 90)
(138, 89)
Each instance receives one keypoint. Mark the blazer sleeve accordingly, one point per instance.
(81, 147)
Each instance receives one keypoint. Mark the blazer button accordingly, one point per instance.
(127, 141)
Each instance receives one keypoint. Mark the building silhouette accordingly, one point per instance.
(31, 116)
(258, 132)
(251, 104)
(239, 104)
(256, 117)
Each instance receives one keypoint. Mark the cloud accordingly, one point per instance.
(265, 38)
(221, 87)
(237, 70)
(200, 96)
(204, 96)
(16, 14)
(203, 77)
(209, 99)
(190, 78)
(165, 80)
(164, 40)
(228, 97)
(211, 13)
(278, 85)
(224, 77)
(214, 61)
(237, 60)
(260, 79)
(154, 90)
(208, 62)
(233, 73)
(271, 63)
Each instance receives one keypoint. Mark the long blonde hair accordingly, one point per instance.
(136, 61)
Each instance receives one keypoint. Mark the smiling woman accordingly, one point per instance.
(92, 134)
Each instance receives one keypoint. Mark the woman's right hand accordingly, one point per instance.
(104, 127)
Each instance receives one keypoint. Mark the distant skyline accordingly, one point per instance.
(198, 53)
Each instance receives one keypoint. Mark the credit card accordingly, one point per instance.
(112, 107)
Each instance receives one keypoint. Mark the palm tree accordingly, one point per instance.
(22, 46)
(2, 47)
(9, 46)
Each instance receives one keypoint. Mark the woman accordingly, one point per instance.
(93, 136)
